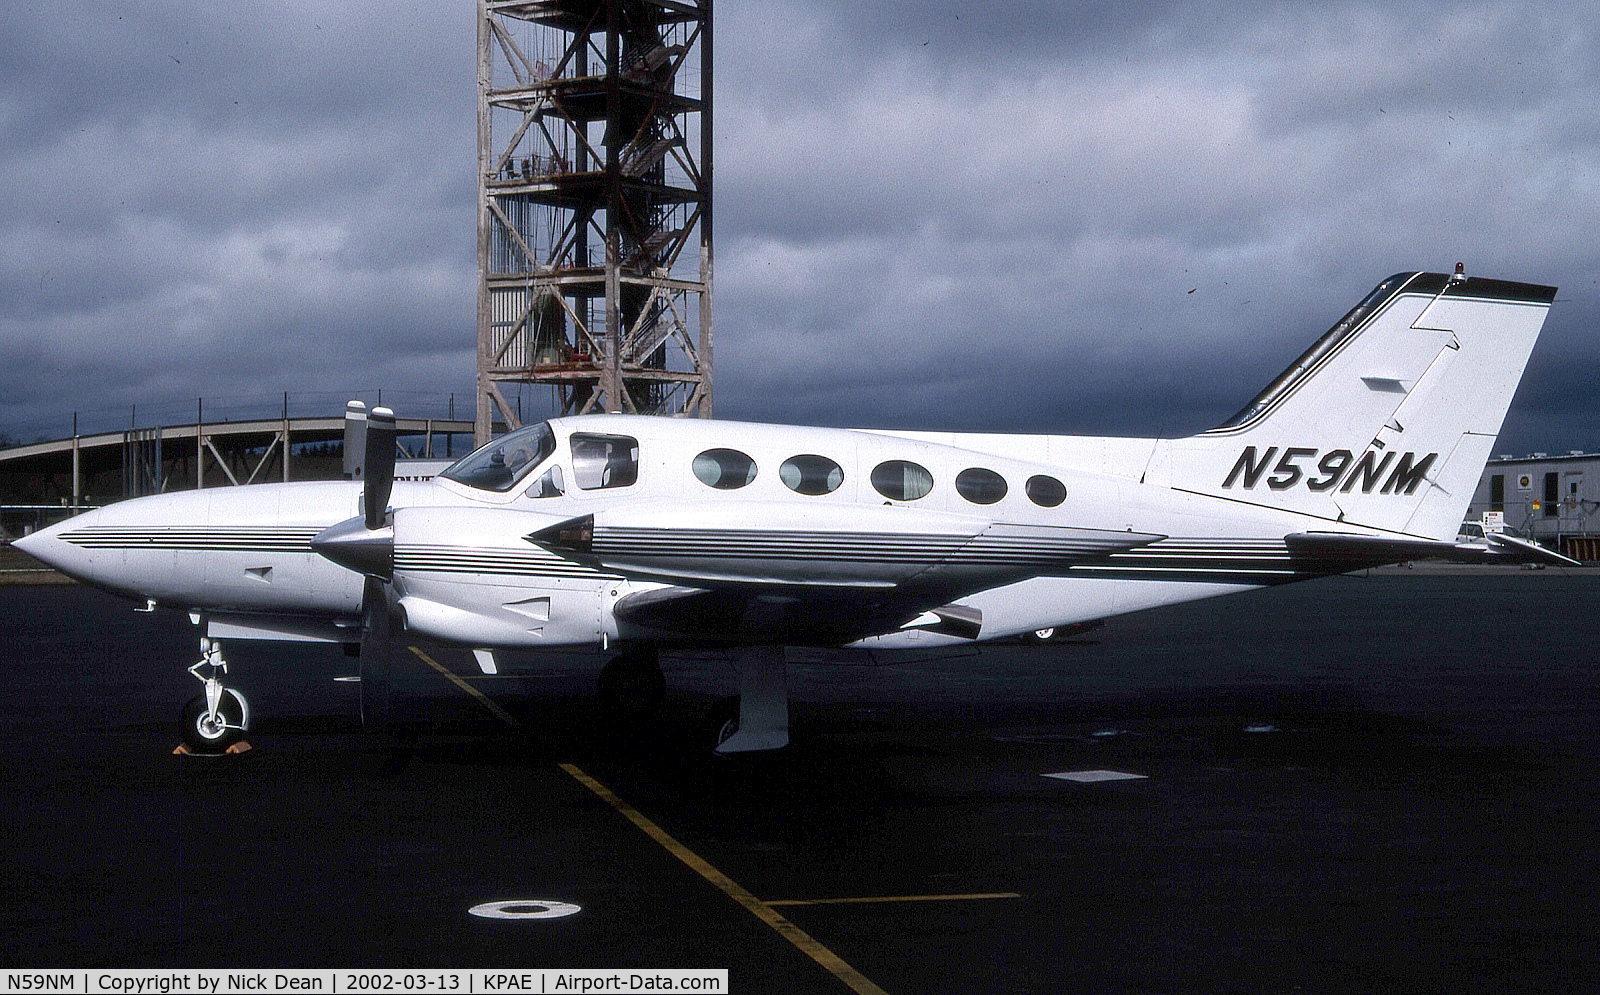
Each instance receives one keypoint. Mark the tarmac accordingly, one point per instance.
(1360, 784)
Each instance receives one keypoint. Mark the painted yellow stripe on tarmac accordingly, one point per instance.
(896, 898)
(495, 710)
(802, 940)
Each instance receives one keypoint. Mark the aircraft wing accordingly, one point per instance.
(824, 576)
(838, 547)
(1336, 552)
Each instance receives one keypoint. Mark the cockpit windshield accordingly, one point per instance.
(506, 460)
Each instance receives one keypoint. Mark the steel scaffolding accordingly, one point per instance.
(594, 182)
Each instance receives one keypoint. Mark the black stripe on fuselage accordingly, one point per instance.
(459, 559)
(843, 546)
(219, 539)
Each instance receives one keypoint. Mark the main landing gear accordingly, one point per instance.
(632, 687)
(756, 719)
(1062, 633)
(215, 720)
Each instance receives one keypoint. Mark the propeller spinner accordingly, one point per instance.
(365, 544)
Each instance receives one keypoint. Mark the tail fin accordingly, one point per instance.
(1388, 419)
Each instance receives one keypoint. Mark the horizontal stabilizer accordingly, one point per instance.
(1501, 544)
(1338, 551)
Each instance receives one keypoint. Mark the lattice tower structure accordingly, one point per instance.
(594, 188)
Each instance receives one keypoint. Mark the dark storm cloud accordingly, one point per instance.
(275, 65)
(1031, 201)
(1104, 217)
(206, 199)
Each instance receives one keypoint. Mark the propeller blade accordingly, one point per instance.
(377, 631)
(379, 479)
(370, 553)
(355, 440)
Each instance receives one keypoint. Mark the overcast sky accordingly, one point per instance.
(1107, 218)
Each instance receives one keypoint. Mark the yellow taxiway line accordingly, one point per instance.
(895, 898)
(802, 940)
(764, 911)
(483, 699)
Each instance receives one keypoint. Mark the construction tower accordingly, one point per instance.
(594, 191)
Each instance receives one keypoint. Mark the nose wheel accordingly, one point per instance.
(205, 730)
(217, 718)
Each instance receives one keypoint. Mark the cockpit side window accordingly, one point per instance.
(506, 460)
(604, 460)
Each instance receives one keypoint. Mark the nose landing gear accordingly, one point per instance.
(215, 720)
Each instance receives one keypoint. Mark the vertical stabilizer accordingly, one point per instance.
(1387, 420)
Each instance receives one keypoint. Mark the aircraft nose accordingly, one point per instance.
(46, 546)
(89, 547)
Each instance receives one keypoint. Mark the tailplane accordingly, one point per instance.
(1387, 421)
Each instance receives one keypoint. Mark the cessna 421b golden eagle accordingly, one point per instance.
(629, 534)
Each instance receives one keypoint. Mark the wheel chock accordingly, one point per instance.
(240, 747)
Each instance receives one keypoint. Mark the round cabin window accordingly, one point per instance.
(899, 480)
(724, 469)
(811, 474)
(980, 486)
(1046, 492)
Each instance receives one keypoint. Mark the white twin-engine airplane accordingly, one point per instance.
(632, 534)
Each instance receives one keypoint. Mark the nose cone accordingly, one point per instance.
(355, 547)
(76, 547)
(118, 548)
(46, 546)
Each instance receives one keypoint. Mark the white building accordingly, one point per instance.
(1554, 499)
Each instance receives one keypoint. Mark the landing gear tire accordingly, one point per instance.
(722, 722)
(1040, 636)
(202, 734)
(632, 686)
